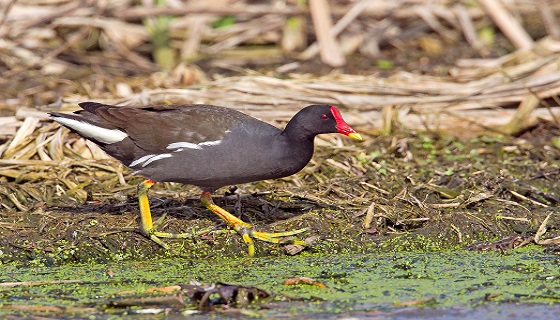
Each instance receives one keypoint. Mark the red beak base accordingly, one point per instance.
(343, 127)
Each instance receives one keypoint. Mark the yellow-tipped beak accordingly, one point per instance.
(356, 136)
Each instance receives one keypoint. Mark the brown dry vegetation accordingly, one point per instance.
(408, 73)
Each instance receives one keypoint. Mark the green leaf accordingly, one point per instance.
(223, 22)
(384, 64)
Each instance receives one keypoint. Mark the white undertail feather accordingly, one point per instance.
(89, 130)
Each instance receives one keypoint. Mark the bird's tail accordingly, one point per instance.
(89, 129)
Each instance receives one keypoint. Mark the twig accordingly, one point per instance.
(513, 203)
(431, 20)
(138, 13)
(459, 234)
(369, 185)
(519, 119)
(191, 44)
(4, 14)
(350, 16)
(507, 23)
(328, 46)
(549, 19)
(542, 230)
(522, 197)
(369, 216)
(469, 31)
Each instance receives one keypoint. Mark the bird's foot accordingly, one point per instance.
(152, 233)
(246, 230)
(248, 233)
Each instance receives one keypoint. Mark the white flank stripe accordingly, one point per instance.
(190, 145)
(158, 157)
(210, 143)
(177, 145)
(140, 160)
(149, 159)
(89, 130)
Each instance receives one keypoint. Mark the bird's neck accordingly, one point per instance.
(296, 131)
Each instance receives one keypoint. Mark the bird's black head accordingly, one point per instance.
(316, 119)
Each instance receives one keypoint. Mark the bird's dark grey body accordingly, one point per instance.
(207, 146)
(239, 158)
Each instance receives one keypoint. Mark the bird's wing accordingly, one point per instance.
(155, 128)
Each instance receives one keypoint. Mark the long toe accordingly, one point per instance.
(276, 237)
(248, 234)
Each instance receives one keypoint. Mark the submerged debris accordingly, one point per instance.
(204, 296)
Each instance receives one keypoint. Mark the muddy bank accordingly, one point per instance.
(412, 191)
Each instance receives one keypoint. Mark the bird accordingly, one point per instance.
(206, 146)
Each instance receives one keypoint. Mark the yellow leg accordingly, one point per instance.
(146, 223)
(246, 230)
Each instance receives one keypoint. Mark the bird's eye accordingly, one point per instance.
(324, 117)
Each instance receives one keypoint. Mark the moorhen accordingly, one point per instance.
(203, 145)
